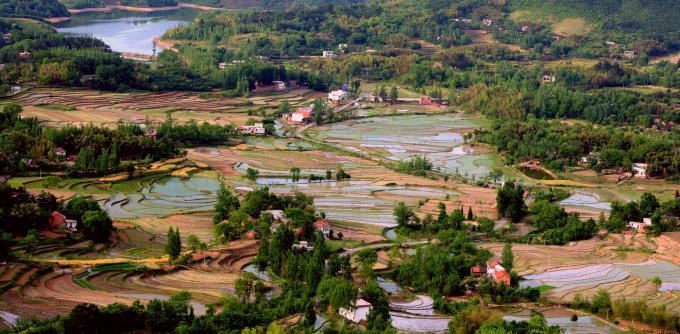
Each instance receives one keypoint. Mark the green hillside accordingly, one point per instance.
(640, 16)
(32, 8)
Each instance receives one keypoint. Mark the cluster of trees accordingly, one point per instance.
(664, 215)
(99, 150)
(510, 201)
(559, 146)
(80, 4)
(418, 165)
(36, 9)
(233, 217)
(555, 226)
(148, 3)
(23, 214)
(442, 268)
(93, 221)
(58, 59)
(21, 211)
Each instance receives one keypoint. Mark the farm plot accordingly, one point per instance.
(418, 315)
(164, 196)
(369, 197)
(437, 137)
(61, 107)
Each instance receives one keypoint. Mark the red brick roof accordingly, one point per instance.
(478, 269)
(322, 224)
(502, 277)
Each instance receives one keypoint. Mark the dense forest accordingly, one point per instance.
(35, 9)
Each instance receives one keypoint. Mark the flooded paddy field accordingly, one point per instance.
(368, 196)
(437, 137)
(626, 266)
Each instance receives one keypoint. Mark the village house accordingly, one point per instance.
(478, 271)
(639, 170)
(59, 221)
(60, 152)
(496, 272)
(324, 226)
(304, 245)
(277, 215)
(370, 51)
(370, 97)
(640, 226)
(152, 133)
(6, 37)
(337, 96)
(255, 129)
(356, 313)
(610, 44)
(487, 22)
(14, 89)
(466, 20)
(629, 54)
(222, 66)
(426, 101)
(301, 115)
(547, 78)
(24, 55)
(329, 54)
(525, 28)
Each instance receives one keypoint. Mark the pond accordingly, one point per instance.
(535, 173)
(124, 31)
(263, 275)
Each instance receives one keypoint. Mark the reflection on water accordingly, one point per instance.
(126, 31)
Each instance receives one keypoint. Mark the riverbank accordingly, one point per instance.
(165, 44)
(109, 8)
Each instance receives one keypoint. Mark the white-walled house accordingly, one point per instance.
(356, 313)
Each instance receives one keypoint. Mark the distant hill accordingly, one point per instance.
(641, 16)
(267, 3)
(32, 8)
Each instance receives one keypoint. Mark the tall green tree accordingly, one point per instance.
(173, 247)
(226, 203)
(507, 258)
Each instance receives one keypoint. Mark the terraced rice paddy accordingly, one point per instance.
(438, 137)
(62, 107)
(583, 325)
(164, 196)
(369, 197)
(586, 200)
(418, 316)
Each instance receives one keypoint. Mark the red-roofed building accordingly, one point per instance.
(324, 226)
(57, 219)
(502, 277)
(301, 115)
(478, 271)
(60, 152)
